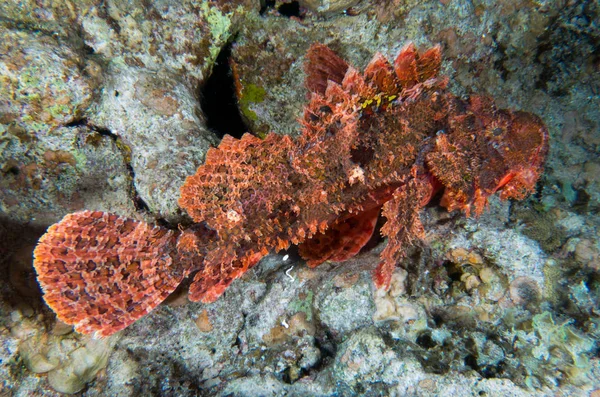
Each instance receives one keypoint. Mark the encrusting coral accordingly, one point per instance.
(383, 141)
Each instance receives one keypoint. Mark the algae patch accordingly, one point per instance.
(251, 94)
(219, 26)
(303, 305)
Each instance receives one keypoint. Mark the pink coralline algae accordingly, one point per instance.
(382, 141)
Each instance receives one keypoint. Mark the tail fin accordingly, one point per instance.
(101, 272)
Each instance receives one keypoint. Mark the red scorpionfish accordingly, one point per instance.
(385, 140)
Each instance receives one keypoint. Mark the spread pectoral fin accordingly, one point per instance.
(342, 240)
(101, 272)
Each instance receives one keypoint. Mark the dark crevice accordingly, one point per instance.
(426, 341)
(499, 62)
(324, 341)
(471, 361)
(14, 170)
(219, 101)
(582, 200)
(82, 122)
(291, 9)
(265, 5)
(88, 50)
(138, 202)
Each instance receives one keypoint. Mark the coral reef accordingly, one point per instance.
(110, 115)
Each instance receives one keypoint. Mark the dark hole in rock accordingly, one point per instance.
(581, 202)
(471, 361)
(424, 340)
(78, 122)
(493, 371)
(88, 50)
(324, 341)
(291, 9)
(438, 319)
(218, 99)
(265, 5)
(14, 170)
(454, 270)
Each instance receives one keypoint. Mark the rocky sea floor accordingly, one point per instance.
(110, 105)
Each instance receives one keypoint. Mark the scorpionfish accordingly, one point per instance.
(383, 141)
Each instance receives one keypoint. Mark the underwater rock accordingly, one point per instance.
(45, 16)
(343, 309)
(361, 361)
(161, 128)
(181, 37)
(588, 253)
(66, 169)
(45, 83)
(328, 6)
(68, 360)
(48, 166)
(524, 291)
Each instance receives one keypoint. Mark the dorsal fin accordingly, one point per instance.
(405, 66)
(321, 65)
(412, 67)
(429, 63)
(380, 73)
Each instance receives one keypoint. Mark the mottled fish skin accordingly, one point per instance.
(382, 141)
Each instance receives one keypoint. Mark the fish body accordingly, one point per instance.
(383, 141)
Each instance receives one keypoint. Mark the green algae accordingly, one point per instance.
(303, 305)
(251, 94)
(220, 28)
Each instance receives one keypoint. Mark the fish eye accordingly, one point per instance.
(325, 109)
(497, 131)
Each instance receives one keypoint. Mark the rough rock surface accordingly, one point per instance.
(161, 126)
(99, 109)
(126, 70)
